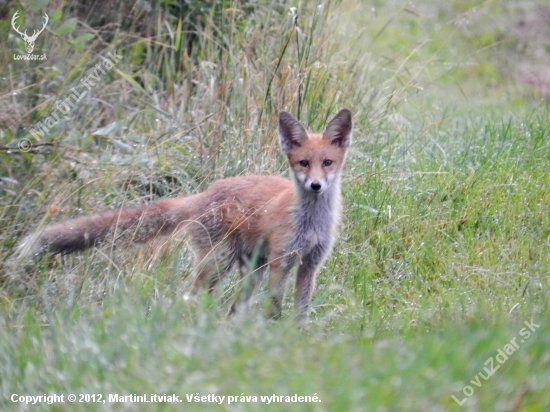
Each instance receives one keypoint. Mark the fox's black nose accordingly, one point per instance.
(316, 186)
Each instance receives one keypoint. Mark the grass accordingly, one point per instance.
(443, 252)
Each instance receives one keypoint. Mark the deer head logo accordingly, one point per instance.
(29, 40)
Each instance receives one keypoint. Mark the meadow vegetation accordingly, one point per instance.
(444, 249)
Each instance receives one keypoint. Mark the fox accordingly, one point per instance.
(263, 221)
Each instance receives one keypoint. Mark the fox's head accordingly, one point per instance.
(315, 159)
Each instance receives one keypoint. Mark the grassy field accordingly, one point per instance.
(436, 297)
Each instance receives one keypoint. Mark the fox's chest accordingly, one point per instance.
(313, 233)
(315, 236)
(314, 224)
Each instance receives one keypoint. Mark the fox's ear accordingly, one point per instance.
(291, 132)
(338, 131)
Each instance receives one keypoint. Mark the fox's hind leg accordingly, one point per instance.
(212, 267)
(252, 274)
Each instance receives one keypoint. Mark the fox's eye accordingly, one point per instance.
(327, 162)
(304, 163)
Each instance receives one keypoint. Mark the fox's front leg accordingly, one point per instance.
(305, 280)
(279, 272)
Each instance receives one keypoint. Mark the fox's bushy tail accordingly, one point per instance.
(122, 226)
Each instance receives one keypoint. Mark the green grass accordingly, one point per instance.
(443, 253)
(170, 350)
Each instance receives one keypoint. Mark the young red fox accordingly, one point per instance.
(253, 220)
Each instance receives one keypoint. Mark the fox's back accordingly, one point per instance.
(248, 191)
(248, 207)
